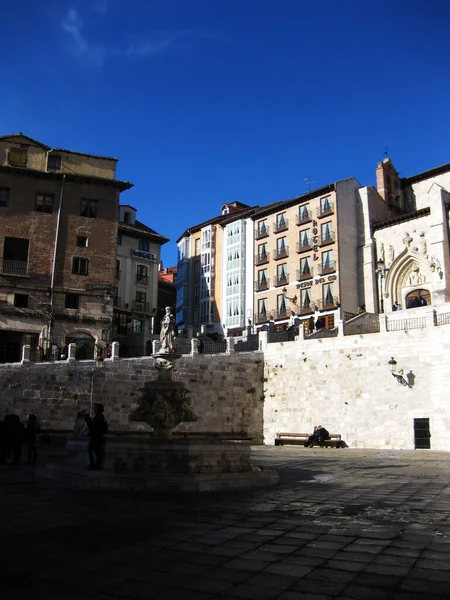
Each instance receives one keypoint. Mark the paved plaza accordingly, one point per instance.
(360, 524)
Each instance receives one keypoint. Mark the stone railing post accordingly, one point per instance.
(115, 354)
(263, 340)
(72, 350)
(383, 323)
(195, 343)
(431, 318)
(155, 346)
(340, 326)
(230, 345)
(26, 354)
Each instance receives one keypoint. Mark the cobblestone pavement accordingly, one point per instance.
(341, 524)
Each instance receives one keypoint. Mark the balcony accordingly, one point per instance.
(261, 259)
(280, 253)
(281, 225)
(282, 314)
(16, 268)
(141, 280)
(325, 209)
(282, 280)
(302, 274)
(328, 267)
(328, 304)
(260, 286)
(143, 307)
(303, 217)
(306, 310)
(262, 232)
(304, 247)
(328, 238)
(262, 318)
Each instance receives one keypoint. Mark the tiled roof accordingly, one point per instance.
(140, 228)
(425, 175)
(121, 185)
(3, 137)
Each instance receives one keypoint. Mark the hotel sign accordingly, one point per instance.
(142, 254)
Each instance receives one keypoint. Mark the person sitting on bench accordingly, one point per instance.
(319, 435)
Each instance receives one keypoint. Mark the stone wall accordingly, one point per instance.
(226, 391)
(345, 384)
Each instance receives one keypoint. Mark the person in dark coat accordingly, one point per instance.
(98, 427)
(319, 435)
(33, 431)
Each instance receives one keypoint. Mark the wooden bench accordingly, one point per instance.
(334, 440)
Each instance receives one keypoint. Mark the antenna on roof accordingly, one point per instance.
(386, 151)
(308, 183)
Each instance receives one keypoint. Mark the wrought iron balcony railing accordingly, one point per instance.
(303, 217)
(326, 209)
(328, 238)
(281, 225)
(281, 253)
(16, 268)
(261, 285)
(304, 246)
(281, 280)
(327, 267)
(262, 232)
(261, 259)
(143, 307)
(303, 274)
(142, 279)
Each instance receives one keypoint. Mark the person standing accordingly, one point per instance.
(33, 431)
(98, 427)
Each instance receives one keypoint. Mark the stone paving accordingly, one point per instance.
(346, 524)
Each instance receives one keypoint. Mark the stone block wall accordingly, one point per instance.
(226, 391)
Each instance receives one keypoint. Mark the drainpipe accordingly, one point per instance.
(52, 281)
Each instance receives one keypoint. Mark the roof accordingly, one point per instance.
(242, 214)
(140, 228)
(2, 137)
(282, 204)
(423, 212)
(426, 174)
(121, 185)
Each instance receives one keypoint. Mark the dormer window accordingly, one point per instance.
(225, 211)
(54, 162)
(18, 157)
(127, 217)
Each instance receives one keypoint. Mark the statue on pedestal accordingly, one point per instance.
(167, 336)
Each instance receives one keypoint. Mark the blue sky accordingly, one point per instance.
(211, 101)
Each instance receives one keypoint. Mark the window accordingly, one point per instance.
(281, 246)
(262, 279)
(326, 205)
(82, 241)
(281, 305)
(327, 232)
(281, 221)
(127, 217)
(15, 256)
(117, 269)
(197, 270)
(80, 266)
(44, 203)
(4, 196)
(142, 274)
(18, 157)
(305, 240)
(72, 301)
(89, 208)
(144, 246)
(305, 268)
(54, 162)
(136, 326)
(304, 213)
(282, 275)
(196, 294)
(328, 294)
(305, 299)
(21, 300)
(262, 308)
(327, 261)
(197, 246)
(262, 228)
(141, 301)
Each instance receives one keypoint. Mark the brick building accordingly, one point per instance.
(58, 234)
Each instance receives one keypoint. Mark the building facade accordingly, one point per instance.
(58, 232)
(137, 266)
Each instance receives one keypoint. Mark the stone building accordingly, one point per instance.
(406, 254)
(138, 258)
(58, 233)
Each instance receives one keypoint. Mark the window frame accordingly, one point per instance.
(144, 246)
(80, 260)
(76, 301)
(43, 208)
(7, 192)
(20, 304)
(86, 208)
(82, 237)
(51, 167)
(18, 151)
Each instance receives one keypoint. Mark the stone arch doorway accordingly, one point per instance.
(85, 344)
(417, 298)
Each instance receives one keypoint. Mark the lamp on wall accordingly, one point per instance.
(397, 374)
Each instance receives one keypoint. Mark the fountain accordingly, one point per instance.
(162, 462)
